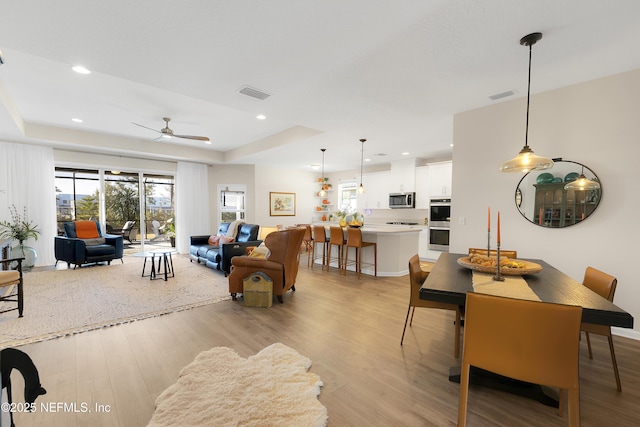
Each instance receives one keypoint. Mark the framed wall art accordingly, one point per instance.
(282, 204)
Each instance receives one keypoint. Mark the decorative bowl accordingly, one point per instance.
(524, 267)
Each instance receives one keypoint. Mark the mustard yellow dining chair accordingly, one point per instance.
(417, 277)
(604, 285)
(11, 278)
(526, 340)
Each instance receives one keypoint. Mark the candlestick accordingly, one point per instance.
(498, 239)
(498, 277)
(489, 231)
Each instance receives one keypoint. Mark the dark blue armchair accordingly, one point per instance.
(87, 245)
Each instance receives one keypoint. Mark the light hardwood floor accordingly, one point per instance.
(350, 329)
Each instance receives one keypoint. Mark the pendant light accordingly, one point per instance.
(526, 160)
(361, 187)
(322, 192)
(582, 183)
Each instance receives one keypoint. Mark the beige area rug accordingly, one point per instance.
(64, 302)
(220, 388)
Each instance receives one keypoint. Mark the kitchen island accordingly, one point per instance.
(395, 245)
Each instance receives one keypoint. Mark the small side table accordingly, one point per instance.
(165, 263)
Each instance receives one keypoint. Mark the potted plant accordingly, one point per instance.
(171, 232)
(21, 229)
(342, 215)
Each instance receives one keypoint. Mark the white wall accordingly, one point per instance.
(231, 175)
(595, 123)
(269, 179)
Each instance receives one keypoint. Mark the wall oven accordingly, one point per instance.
(439, 224)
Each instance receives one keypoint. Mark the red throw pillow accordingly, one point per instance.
(214, 240)
(86, 230)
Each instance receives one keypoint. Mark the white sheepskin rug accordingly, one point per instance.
(220, 388)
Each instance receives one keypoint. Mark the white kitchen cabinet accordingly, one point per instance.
(440, 179)
(423, 189)
(403, 176)
(377, 188)
(423, 244)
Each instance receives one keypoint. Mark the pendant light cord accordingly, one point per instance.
(526, 132)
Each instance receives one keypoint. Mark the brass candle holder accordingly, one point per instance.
(498, 277)
(488, 242)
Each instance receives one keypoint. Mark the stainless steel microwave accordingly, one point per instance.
(402, 200)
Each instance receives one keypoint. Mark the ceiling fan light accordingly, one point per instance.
(526, 161)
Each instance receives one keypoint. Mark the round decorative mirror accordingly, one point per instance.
(564, 195)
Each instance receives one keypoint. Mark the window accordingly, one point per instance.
(347, 196)
(77, 195)
(232, 204)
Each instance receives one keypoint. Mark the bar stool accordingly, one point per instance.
(354, 240)
(336, 238)
(307, 240)
(319, 237)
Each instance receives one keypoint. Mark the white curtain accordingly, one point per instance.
(192, 203)
(27, 181)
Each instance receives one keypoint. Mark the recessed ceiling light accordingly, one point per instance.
(208, 142)
(367, 160)
(261, 117)
(80, 69)
(315, 167)
(406, 153)
(77, 120)
(450, 145)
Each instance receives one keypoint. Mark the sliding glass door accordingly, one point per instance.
(113, 198)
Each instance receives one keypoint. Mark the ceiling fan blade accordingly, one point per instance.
(142, 126)
(197, 138)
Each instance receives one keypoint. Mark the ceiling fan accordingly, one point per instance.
(166, 132)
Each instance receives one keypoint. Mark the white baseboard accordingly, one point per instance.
(627, 333)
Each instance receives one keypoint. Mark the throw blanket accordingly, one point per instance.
(233, 228)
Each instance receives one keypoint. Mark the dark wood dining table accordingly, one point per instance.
(449, 282)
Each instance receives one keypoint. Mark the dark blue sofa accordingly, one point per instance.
(219, 257)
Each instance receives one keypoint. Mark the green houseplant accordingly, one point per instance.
(20, 228)
(171, 232)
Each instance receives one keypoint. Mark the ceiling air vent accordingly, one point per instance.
(254, 93)
(501, 95)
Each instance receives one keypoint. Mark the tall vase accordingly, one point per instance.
(28, 253)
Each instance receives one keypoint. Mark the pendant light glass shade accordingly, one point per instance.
(361, 187)
(322, 192)
(582, 183)
(526, 160)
